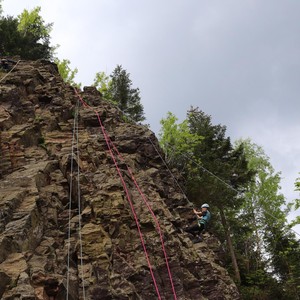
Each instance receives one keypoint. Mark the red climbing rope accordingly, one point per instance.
(154, 218)
(127, 195)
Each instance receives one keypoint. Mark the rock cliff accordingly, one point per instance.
(40, 222)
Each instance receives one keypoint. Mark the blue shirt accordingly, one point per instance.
(205, 217)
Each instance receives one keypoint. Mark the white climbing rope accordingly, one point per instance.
(163, 160)
(75, 154)
(70, 200)
(236, 190)
(79, 205)
(10, 71)
(199, 165)
(171, 173)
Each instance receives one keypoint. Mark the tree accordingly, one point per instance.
(297, 188)
(103, 84)
(36, 33)
(11, 39)
(65, 71)
(127, 98)
(27, 36)
(274, 247)
(216, 171)
(297, 184)
(222, 175)
(178, 142)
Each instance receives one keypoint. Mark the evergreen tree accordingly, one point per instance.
(127, 98)
(27, 36)
(216, 172)
(11, 41)
(230, 174)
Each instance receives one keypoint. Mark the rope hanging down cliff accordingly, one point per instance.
(153, 216)
(10, 71)
(75, 142)
(144, 200)
(127, 195)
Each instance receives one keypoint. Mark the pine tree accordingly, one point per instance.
(127, 98)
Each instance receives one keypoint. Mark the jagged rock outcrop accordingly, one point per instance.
(37, 110)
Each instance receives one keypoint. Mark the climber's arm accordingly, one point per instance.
(197, 213)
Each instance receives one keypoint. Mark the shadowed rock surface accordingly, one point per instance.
(36, 121)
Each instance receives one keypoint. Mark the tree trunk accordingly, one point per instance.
(230, 247)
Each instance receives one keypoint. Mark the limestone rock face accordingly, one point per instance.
(87, 244)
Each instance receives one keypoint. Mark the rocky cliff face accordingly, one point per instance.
(106, 258)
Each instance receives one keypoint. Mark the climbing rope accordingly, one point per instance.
(131, 206)
(235, 190)
(127, 194)
(170, 172)
(75, 133)
(10, 71)
(152, 213)
(79, 205)
(70, 201)
(162, 159)
(204, 169)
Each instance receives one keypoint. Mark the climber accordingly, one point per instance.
(203, 218)
(4, 64)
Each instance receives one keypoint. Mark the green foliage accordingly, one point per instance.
(127, 98)
(262, 195)
(219, 157)
(177, 142)
(103, 84)
(65, 71)
(11, 39)
(295, 204)
(297, 188)
(269, 245)
(27, 36)
(297, 184)
(31, 23)
(245, 189)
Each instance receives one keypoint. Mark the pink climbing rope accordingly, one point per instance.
(127, 195)
(154, 218)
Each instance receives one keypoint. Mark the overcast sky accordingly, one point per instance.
(236, 60)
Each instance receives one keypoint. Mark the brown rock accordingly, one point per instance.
(51, 242)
